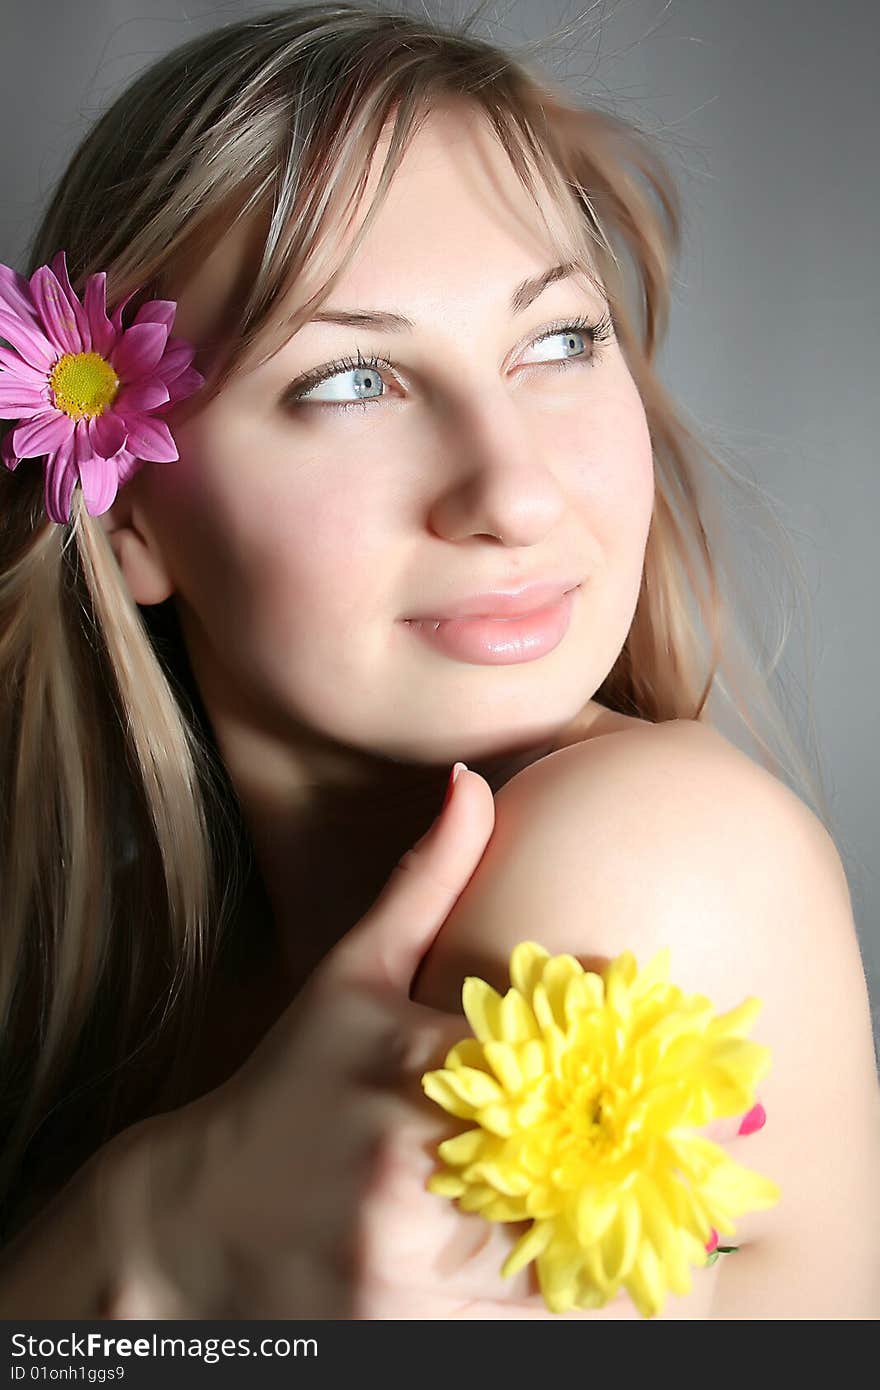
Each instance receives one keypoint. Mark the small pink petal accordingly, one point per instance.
(95, 304)
(755, 1119)
(15, 295)
(106, 434)
(141, 396)
(7, 453)
(138, 351)
(15, 366)
(178, 355)
(712, 1241)
(157, 311)
(116, 316)
(182, 386)
(150, 438)
(18, 402)
(43, 434)
(29, 341)
(55, 310)
(100, 482)
(127, 465)
(59, 265)
(61, 478)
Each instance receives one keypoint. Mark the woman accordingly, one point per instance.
(235, 694)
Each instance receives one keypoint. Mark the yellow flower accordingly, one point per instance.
(585, 1090)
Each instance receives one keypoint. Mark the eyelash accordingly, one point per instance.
(596, 333)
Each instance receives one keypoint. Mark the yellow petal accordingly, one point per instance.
(740, 1188)
(736, 1022)
(655, 972)
(542, 1201)
(620, 1242)
(502, 1059)
(533, 1060)
(558, 1272)
(482, 1007)
(517, 1022)
(526, 966)
(475, 1197)
(531, 1111)
(577, 1000)
(645, 1284)
(594, 1212)
(588, 1295)
(473, 1086)
(497, 1119)
(502, 1176)
(659, 1227)
(558, 970)
(467, 1053)
(505, 1209)
(542, 1008)
(463, 1148)
(436, 1086)
(528, 1247)
(446, 1184)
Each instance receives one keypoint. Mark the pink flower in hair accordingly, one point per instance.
(86, 392)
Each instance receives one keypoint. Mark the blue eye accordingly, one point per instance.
(367, 370)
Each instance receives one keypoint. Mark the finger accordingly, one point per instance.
(389, 941)
(736, 1126)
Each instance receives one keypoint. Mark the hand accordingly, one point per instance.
(296, 1189)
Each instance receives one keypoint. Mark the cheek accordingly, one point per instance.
(614, 478)
(258, 537)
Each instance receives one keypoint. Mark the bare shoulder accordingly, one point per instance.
(671, 836)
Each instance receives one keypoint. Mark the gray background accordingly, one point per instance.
(768, 113)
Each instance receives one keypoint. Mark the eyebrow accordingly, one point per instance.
(388, 322)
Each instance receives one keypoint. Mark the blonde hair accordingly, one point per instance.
(123, 857)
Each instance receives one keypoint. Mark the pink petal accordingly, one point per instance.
(100, 483)
(7, 453)
(141, 396)
(150, 438)
(42, 435)
(127, 465)
(138, 351)
(755, 1119)
(106, 434)
(19, 402)
(61, 478)
(116, 317)
(157, 311)
(21, 370)
(29, 342)
(178, 355)
(183, 386)
(95, 302)
(59, 265)
(55, 310)
(15, 295)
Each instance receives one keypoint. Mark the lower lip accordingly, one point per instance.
(498, 641)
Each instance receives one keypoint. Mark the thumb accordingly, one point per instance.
(389, 941)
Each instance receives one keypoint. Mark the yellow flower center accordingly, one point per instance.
(590, 1112)
(83, 383)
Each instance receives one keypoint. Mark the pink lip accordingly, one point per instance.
(500, 604)
(487, 641)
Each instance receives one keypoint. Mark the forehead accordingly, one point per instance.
(454, 201)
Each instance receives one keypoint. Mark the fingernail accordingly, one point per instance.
(459, 767)
(755, 1119)
(712, 1241)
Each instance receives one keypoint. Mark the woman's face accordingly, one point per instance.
(298, 537)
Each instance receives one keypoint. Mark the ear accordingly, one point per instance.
(137, 552)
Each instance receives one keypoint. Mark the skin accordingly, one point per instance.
(294, 541)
